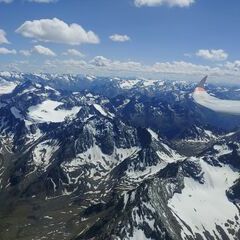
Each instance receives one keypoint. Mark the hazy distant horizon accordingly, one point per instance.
(130, 37)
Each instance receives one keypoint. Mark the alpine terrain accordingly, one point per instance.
(101, 158)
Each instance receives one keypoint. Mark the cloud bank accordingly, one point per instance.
(103, 65)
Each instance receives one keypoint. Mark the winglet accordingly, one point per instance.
(200, 86)
(202, 82)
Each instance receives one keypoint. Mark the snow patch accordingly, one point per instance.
(43, 152)
(102, 111)
(138, 234)
(153, 134)
(100, 163)
(6, 87)
(222, 149)
(47, 112)
(128, 84)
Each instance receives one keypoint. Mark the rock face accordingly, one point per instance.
(101, 158)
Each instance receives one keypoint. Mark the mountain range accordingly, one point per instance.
(101, 158)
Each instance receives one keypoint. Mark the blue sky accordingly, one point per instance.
(173, 36)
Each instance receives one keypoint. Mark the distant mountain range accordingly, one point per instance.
(85, 157)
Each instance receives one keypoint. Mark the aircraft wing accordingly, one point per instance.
(201, 97)
(202, 82)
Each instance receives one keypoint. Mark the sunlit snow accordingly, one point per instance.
(47, 112)
(6, 87)
(43, 153)
(202, 206)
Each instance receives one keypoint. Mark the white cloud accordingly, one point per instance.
(100, 65)
(100, 61)
(214, 54)
(103, 66)
(232, 66)
(189, 55)
(182, 67)
(175, 67)
(43, 51)
(36, 1)
(171, 3)
(25, 53)
(115, 65)
(6, 51)
(68, 63)
(43, 1)
(119, 38)
(73, 52)
(65, 66)
(55, 30)
(6, 1)
(3, 38)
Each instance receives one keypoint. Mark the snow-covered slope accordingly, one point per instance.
(6, 87)
(204, 206)
(48, 111)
